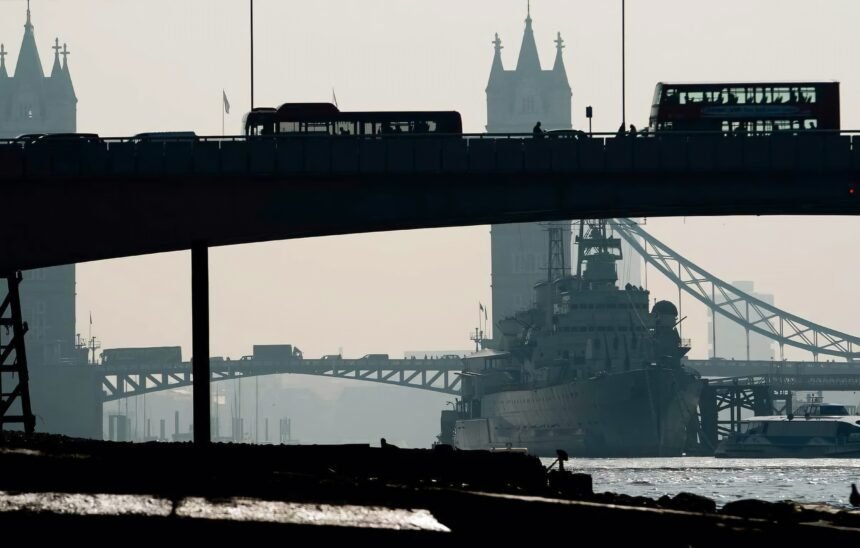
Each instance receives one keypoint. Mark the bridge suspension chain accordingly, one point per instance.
(754, 315)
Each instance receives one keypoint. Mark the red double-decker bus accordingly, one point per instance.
(746, 107)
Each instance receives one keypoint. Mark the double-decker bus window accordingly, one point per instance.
(289, 127)
(315, 127)
(342, 127)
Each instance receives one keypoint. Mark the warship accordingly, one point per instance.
(588, 369)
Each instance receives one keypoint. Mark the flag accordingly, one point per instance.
(333, 97)
(226, 102)
(482, 309)
(91, 318)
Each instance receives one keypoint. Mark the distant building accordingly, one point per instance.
(516, 100)
(31, 102)
(731, 342)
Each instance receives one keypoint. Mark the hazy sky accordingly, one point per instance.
(143, 65)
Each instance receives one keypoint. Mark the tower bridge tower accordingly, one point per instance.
(31, 102)
(516, 100)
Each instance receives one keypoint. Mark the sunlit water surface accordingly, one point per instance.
(724, 480)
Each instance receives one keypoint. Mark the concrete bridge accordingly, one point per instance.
(76, 201)
(80, 200)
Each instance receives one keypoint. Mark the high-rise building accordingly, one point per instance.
(731, 341)
(31, 102)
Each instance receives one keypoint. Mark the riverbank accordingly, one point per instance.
(60, 486)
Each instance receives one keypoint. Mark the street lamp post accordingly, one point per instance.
(623, 66)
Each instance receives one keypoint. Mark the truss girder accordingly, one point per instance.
(752, 314)
(425, 375)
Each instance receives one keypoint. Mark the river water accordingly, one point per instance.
(724, 480)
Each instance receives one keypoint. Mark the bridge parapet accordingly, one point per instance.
(477, 153)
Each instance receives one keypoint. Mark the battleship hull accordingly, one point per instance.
(639, 413)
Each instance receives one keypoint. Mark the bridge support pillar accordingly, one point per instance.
(200, 341)
(709, 417)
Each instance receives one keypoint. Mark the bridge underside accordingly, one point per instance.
(159, 214)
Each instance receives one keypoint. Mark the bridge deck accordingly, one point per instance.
(479, 154)
(80, 201)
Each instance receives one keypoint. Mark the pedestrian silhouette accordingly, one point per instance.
(632, 130)
(537, 132)
(385, 445)
(854, 499)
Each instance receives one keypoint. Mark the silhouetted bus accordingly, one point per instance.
(746, 107)
(326, 119)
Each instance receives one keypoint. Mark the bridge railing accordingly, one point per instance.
(471, 153)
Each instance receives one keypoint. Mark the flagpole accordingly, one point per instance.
(252, 54)
(223, 109)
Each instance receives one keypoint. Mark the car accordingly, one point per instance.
(566, 134)
(28, 137)
(165, 136)
(49, 138)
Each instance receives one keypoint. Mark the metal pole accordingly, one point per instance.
(623, 65)
(680, 312)
(252, 54)
(748, 330)
(714, 319)
(200, 341)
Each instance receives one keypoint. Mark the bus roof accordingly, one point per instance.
(757, 83)
(308, 108)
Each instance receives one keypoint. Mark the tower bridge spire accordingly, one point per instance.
(3, 54)
(29, 65)
(529, 59)
(558, 67)
(55, 71)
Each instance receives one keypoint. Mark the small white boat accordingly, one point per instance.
(815, 430)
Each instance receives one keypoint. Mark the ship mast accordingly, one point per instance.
(599, 252)
(556, 264)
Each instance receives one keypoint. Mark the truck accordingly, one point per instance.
(276, 353)
(158, 355)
